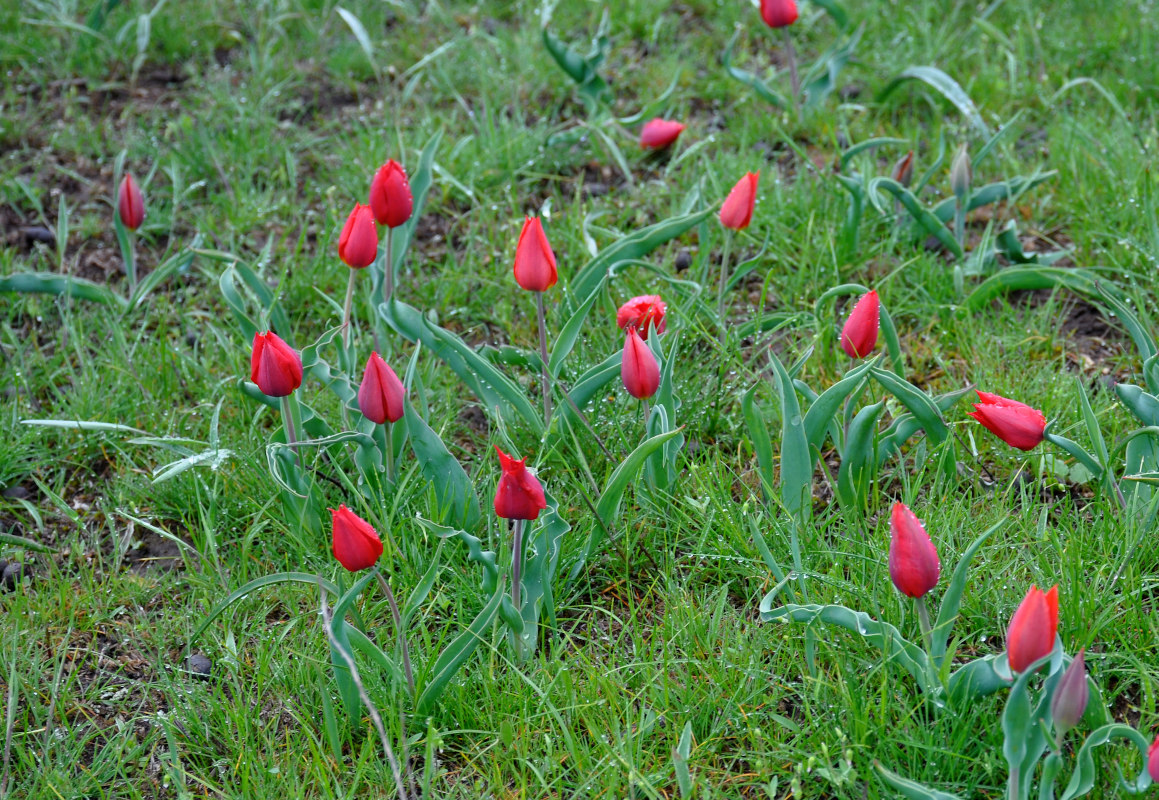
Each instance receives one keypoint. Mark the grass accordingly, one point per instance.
(256, 126)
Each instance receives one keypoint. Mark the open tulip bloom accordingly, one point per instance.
(519, 496)
(641, 313)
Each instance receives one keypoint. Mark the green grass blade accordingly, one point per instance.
(952, 599)
(261, 583)
(947, 87)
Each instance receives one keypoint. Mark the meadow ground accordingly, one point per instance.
(253, 128)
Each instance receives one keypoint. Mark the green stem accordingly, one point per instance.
(723, 280)
(388, 267)
(410, 680)
(390, 452)
(346, 308)
(541, 316)
(924, 621)
(517, 563)
(794, 79)
(130, 256)
(288, 424)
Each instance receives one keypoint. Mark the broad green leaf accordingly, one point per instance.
(475, 551)
(1140, 335)
(458, 503)
(863, 146)
(992, 193)
(1074, 449)
(922, 215)
(977, 678)
(680, 755)
(916, 402)
(834, 10)
(422, 589)
(570, 332)
(457, 652)
(749, 79)
(952, 599)
(796, 460)
(947, 87)
(1020, 278)
(55, 283)
(365, 645)
(543, 544)
(911, 789)
(828, 406)
(260, 583)
(584, 71)
(855, 473)
(1083, 778)
(83, 425)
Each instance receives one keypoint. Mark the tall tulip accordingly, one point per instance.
(643, 312)
(519, 496)
(859, 335)
(736, 213)
(354, 542)
(1030, 635)
(1013, 422)
(358, 247)
(392, 204)
(638, 367)
(381, 393)
(275, 366)
(659, 133)
(130, 204)
(535, 271)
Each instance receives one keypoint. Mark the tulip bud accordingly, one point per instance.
(1015, 423)
(1032, 629)
(275, 366)
(913, 561)
(779, 13)
(903, 170)
(130, 205)
(519, 494)
(859, 336)
(381, 395)
(638, 367)
(659, 133)
(643, 312)
(1070, 696)
(1153, 760)
(358, 243)
(961, 173)
(390, 196)
(737, 211)
(354, 542)
(534, 261)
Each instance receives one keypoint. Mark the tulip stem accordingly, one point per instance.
(346, 310)
(924, 622)
(960, 221)
(542, 317)
(721, 286)
(388, 267)
(517, 563)
(410, 679)
(794, 79)
(130, 256)
(390, 452)
(288, 424)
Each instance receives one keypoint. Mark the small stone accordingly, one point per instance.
(17, 492)
(12, 574)
(200, 666)
(36, 233)
(683, 260)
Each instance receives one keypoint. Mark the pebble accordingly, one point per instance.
(683, 260)
(13, 572)
(200, 666)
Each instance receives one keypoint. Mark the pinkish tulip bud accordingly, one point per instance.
(1070, 696)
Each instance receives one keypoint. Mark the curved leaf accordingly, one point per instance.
(761, 441)
(457, 652)
(976, 679)
(55, 283)
(259, 583)
(749, 79)
(828, 405)
(855, 472)
(1083, 778)
(917, 402)
(570, 332)
(922, 215)
(947, 87)
(952, 599)
(911, 789)
(456, 495)
(796, 460)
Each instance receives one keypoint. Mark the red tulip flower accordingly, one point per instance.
(534, 261)
(1015, 423)
(659, 133)
(381, 395)
(638, 367)
(275, 366)
(859, 336)
(519, 494)
(1153, 760)
(129, 203)
(358, 243)
(390, 196)
(1032, 628)
(354, 542)
(737, 211)
(641, 313)
(779, 13)
(913, 561)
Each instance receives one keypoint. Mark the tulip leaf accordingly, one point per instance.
(367, 647)
(1077, 280)
(1023, 723)
(347, 688)
(796, 461)
(881, 635)
(947, 87)
(922, 215)
(761, 441)
(179, 262)
(680, 755)
(977, 678)
(419, 594)
(591, 382)
(457, 652)
(911, 789)
(570, 332)
(857, 461)
(916, 402)
(55, 283)
(828, 405)
(952, 599)
(834, 10)
(828, 68)
(991, 193)
(539, 565)
(583, 70)
(1083, 778)
(1074, 449)
(456, 497)
(867, 144)
(259, 583)
(272, 316)
(749, 79)
(1140, 335)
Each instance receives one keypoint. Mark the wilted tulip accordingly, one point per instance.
(353, 541)
(358, 243)
(519, 494)
(1013, 422)
(913, 561)
(659, 133)
(1070, 696)
(130, 205)
(1032, 629)
(390, 195)
(638, 367)
(779, 13)
(737, 211)
(859, 335)
(643, 312)
(275, 366)
(381, 395)
(534, 260)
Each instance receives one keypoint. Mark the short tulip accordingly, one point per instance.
(641, 313)
(534, 260)
(1070, 696)
(1013, 422)
(1032, 629)
(354, 542)
(859, 336)
(381, 395)
(659, 133)
(737, 211)
(638, 367)
(779, 13)
(913, 561)
(130, 205)
(275, 366)
(519, 494)
(1153, 760)
(358, 243)
(390, 196)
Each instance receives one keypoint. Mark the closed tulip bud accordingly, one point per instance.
(737, 211)
(779, 13)
(534, 261)
(381, 395)
(913, 561)
(659, 133)
(1032, 629)
(519, 494)
(638, 367)
(275, 366)
(1153, 760)
(354, 542)
(859, 336)
(641, 313)
(1070, 696)
(903, 170)
(130, 205)
(961, 173)
(390, 196)
(1015, 423)
(358, 243)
